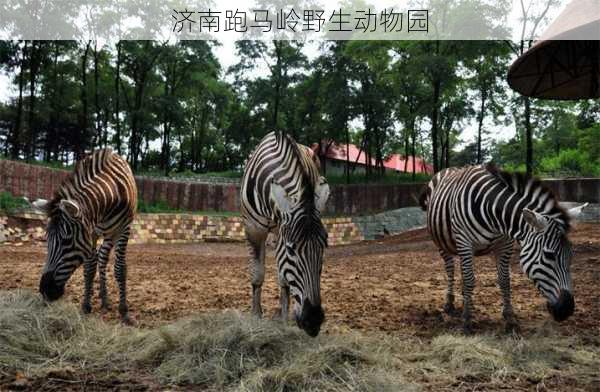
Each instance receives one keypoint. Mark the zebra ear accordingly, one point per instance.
(576, 211)
(321, 194)
(280, 198)
(535, 219)
(40, 205)
(70, 208)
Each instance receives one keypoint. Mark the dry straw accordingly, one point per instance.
(232, 351)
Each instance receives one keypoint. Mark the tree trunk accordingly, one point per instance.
(434, 114)
(203, 122)
(434, 125)
(447, 154)
(30, 148)
(98, 136)
(347, 154)
(80, 148)
(480, 127)
(414, 166)
(528, 137)
(117, 100)
(16, 132)
(165, 149)
(105, 126)
(51, 133)
(277, 84)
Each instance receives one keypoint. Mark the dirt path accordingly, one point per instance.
(396, 284)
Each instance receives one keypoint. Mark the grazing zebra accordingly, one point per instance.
(477, 210)
(282, 189)
(98, 199)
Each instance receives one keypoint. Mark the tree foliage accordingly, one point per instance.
(172, 106)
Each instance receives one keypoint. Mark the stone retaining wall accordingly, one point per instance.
(171, 229)
(189, 228)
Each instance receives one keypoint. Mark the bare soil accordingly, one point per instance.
(396, 284)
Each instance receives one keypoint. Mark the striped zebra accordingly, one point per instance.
(283, 191)
(478, 210)
(97, 200)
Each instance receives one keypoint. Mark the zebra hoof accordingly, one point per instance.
(128, 321)
(512, 327)
(450, 310)
(86, 308)
(468, 329)
(105, 307)
(278, 316)
(257, 312)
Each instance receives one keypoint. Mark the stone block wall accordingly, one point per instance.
(171, 229)
(185, 228)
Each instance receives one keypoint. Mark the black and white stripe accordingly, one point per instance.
(478, 210)
(283, 191)
(97, 200)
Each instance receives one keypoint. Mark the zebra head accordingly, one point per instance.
(546, 258)
(69, 243)
(300, 245)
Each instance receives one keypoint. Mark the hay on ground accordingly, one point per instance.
(233, 351)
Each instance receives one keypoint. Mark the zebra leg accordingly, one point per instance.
(503, 256)
(103, 254)
(449, 265)
(89, 273)
(468, 281)
(256, 243)
(284, 301)
(121, 276)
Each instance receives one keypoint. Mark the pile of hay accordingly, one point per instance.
(232, 351)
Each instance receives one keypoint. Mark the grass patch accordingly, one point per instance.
(162, 207)
(49, 164)
(11, 204)
(188, 174)
(232, 351)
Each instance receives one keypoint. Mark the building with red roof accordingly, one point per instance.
(337, 154)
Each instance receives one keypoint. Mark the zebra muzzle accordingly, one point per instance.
(48, 287)
(564, 307)
(310, 318)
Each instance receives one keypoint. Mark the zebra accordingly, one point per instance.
(98, 199)
(478, 210)
(283, 191)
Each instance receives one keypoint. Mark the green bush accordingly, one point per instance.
(162, 207)
(515, 168)
(154, 208)
(10, 204)
(570, 163)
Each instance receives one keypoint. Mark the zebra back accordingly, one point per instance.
(103, 187)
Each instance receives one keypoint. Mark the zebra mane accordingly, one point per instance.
(310, 225)
(525, 185)
(308, 194)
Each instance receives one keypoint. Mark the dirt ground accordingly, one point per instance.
(396, 284)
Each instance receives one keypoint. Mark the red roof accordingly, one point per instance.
(394, 162)
(338, 152)
(398, 162)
